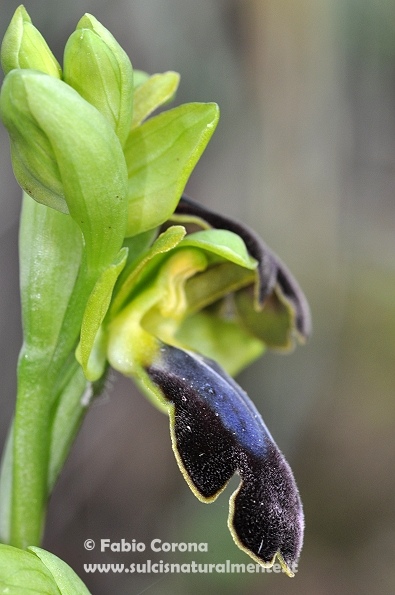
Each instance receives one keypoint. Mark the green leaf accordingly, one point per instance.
(50, 256)
(151, 94)
(223, 243)
(50, 247)
(160, 156)
(65, 578)
(98, 68)
(23, 46)
(71, 405)
(95, 311)
(22, 573)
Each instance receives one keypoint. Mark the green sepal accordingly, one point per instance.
(95, 311)
(64, 145)
(220, 339)
(160, 156)
(177, 295)
(271, 271)
(274, 324)
(157, 90)
(222, 243)
(139, 77)
(98, 68)
(23, 46)
(64, 577)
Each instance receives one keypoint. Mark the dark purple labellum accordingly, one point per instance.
(217, 431)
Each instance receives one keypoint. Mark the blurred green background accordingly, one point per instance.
(304, 153)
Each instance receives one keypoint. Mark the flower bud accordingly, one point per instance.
(33, 160)
(99, 69)
(66, 156)
(24, 47)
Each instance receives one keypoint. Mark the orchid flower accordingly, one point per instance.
(209, 296)
(119, 268)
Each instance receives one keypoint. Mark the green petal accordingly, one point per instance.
(160, 156)
(143, 268)
(151, 94)
(95, 311)
(137, 246)
(214, 283)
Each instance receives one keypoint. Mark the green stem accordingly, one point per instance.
(39, 384)
(30, 455)
(65, 423)
(6, 487)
